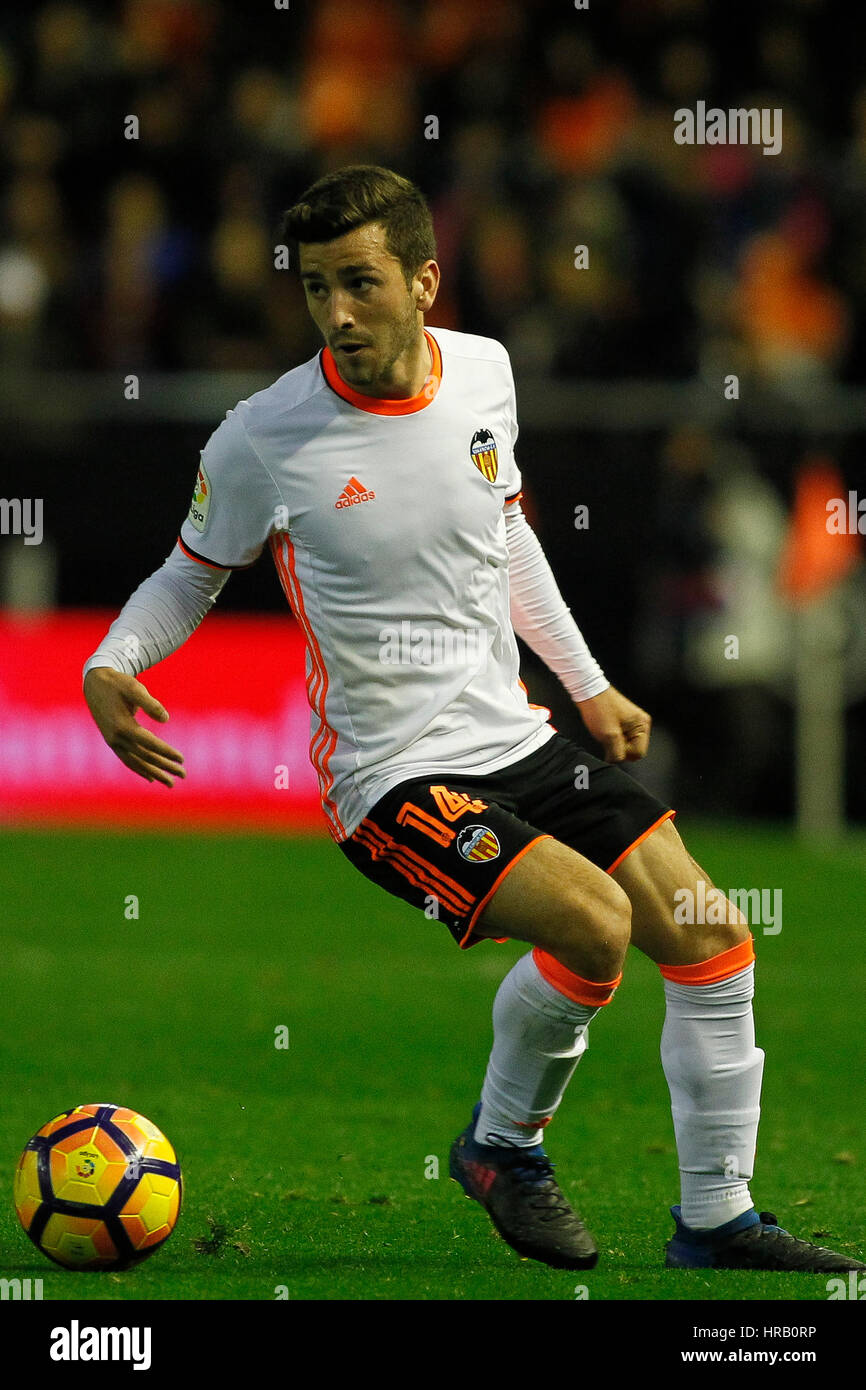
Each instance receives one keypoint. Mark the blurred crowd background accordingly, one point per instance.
(553, 128)
(158, 252)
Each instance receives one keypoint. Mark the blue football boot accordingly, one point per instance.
(517, 1189)
(751, 1241)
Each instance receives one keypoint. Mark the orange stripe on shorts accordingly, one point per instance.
(413, 867)
(411, 854)
(640, 839)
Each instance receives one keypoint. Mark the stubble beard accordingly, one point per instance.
(402, 337)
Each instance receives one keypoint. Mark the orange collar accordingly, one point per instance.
(382, 405)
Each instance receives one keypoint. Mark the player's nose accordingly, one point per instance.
(339, 315)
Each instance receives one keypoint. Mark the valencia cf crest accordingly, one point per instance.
(484, 453)
(477, 843)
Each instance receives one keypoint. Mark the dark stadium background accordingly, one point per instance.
(155, 256)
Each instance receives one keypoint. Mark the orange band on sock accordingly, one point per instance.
(589, 992)
(706, 972)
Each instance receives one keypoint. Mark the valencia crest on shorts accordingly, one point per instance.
(485, 455)
(477, 843)
(445, 848)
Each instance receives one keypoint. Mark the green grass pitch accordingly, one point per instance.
(311, 1169)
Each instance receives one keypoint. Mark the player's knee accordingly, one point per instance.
(600, 930)
(722, 931)
(612, 914)
(735, 930)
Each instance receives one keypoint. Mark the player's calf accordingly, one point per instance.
(579, 922)
(712, 1065)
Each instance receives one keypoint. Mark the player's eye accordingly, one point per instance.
(314, 288)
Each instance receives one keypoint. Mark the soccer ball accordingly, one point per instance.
(99, 1187)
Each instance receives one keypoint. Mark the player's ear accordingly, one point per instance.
(428, 279)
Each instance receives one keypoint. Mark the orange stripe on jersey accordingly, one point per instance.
(531, 705)
(316, 681)
(381, 406)
(634, 844)
(719, 967)
(324, 740)
(427, 879)
(516, 498)
(413, 857)
(315, 678)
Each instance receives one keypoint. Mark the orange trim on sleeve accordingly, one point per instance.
(199, 559)
(486, 899)
(378, 405)
(707, 972)
(516, 498)
(634, 844)
(590, 992)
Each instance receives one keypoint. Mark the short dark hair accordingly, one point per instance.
(356, 195)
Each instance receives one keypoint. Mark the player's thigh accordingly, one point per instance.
(669, 892)
(556, 899)
(469, 861)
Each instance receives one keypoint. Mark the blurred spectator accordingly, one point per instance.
(793, 324)
(713, 621)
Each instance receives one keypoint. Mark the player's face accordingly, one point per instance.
(368, 316)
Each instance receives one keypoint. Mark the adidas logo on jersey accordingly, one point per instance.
(352, 493)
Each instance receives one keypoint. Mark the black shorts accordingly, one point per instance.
(445, 843)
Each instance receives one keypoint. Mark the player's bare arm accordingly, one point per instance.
(113, 699)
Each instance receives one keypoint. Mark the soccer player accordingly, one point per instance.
(381, 475)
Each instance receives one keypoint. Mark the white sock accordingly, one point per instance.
(538, 1040)
(714, 1073)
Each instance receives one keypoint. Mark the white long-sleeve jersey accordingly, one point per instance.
(397, 533)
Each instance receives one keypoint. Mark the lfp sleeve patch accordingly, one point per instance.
(200, 505)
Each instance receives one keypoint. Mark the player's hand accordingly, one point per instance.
(622, 728)
(113, 698)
